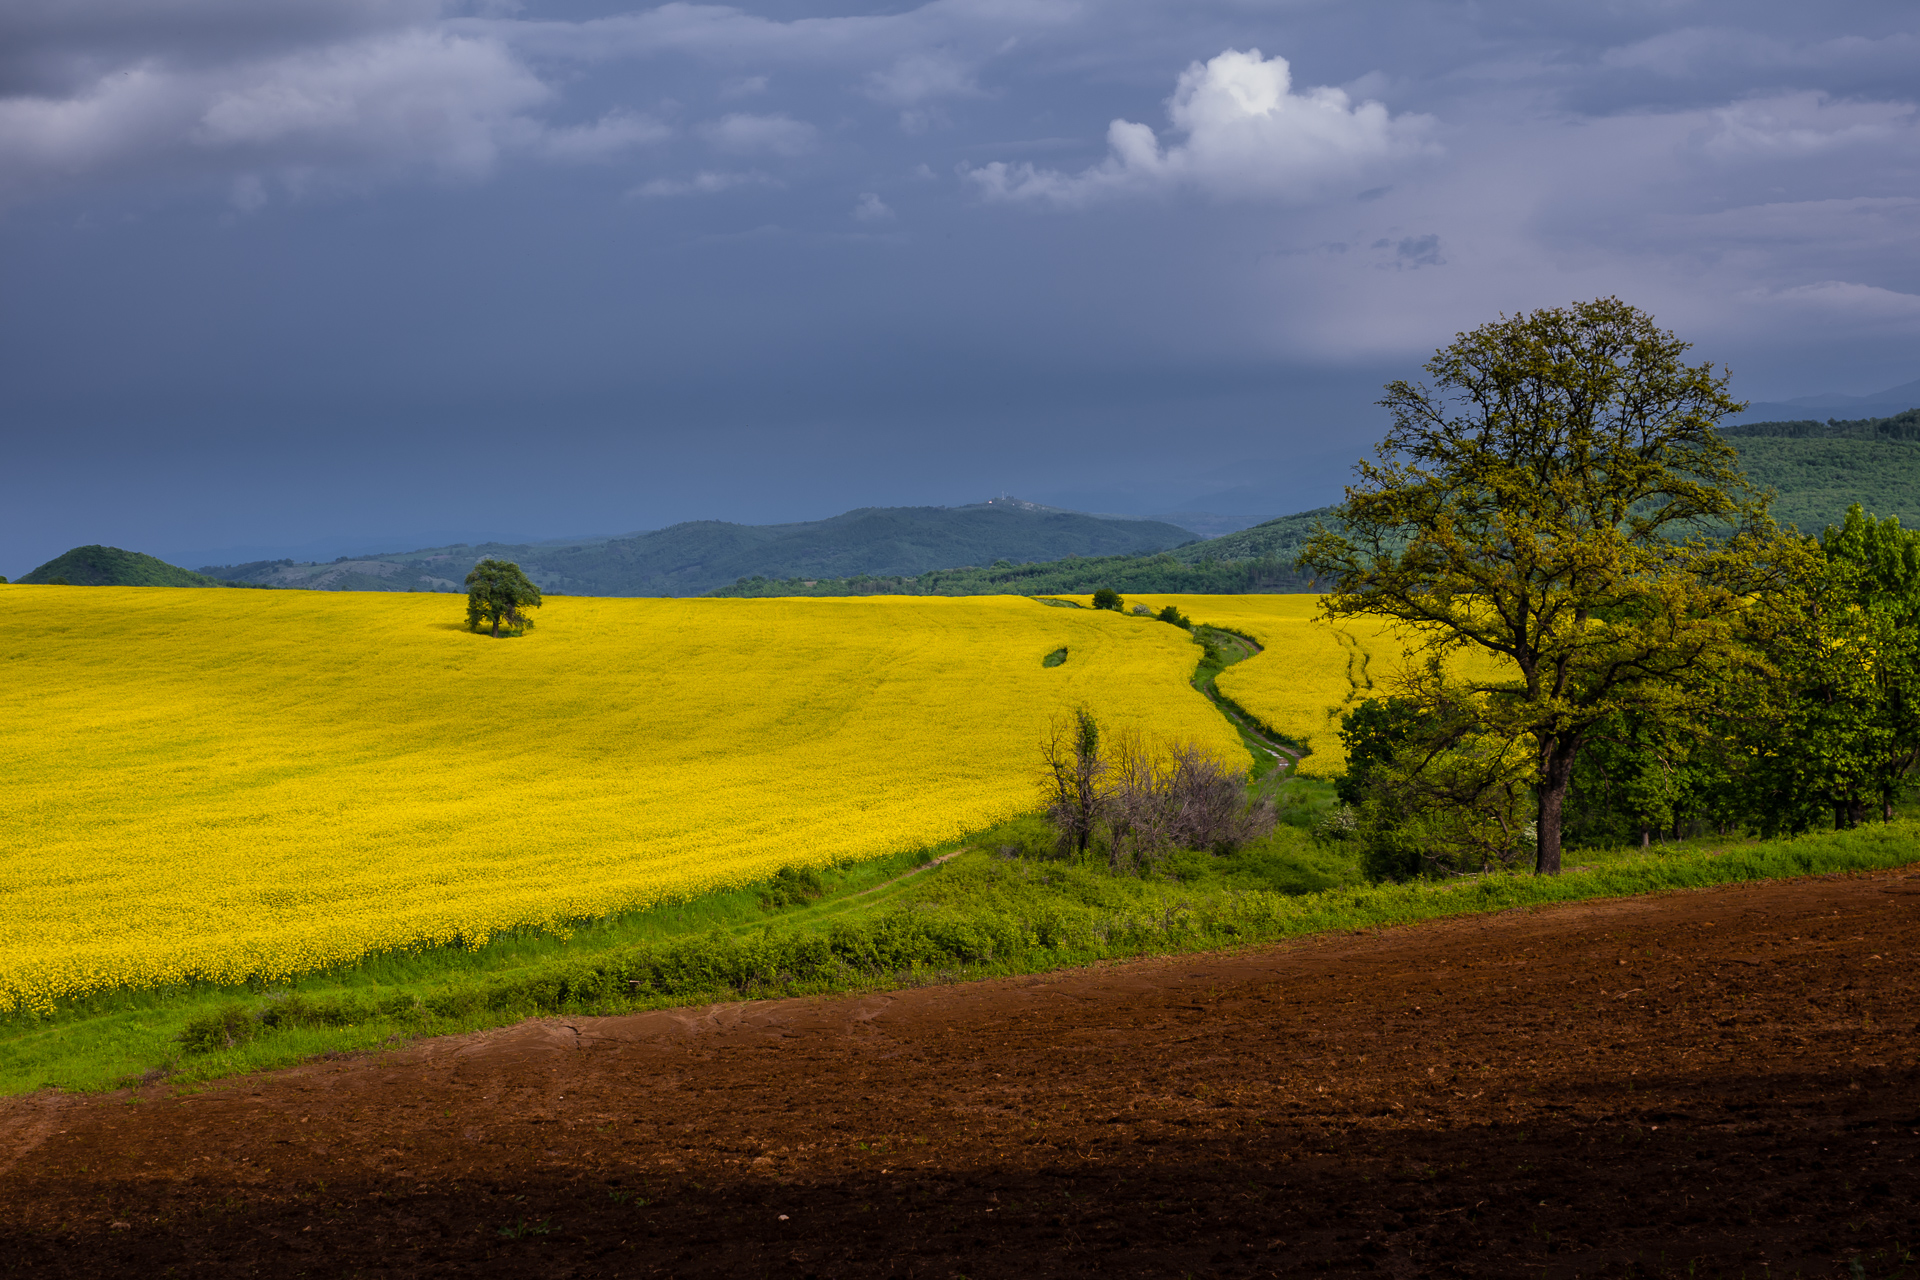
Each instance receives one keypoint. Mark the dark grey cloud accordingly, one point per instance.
(322, 264)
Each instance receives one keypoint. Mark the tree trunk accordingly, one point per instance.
(496, 626)
(1556, 773)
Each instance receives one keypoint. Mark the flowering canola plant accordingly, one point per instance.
(245, 785)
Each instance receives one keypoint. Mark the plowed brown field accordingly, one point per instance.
(1712, 1083)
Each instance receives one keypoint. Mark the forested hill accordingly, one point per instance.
(1819, 469)
(98, 566)
(1279, 539)
(1899, 426)
(1256, 559)
(691, 558)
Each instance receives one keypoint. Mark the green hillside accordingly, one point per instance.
(1279, 539)
(1899, 426)
(1819, 469)
(1256, 559)
(699, 556)
(97, 566)
(1075, 575)
(1015, 548)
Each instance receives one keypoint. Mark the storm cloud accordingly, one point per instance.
(277, 273)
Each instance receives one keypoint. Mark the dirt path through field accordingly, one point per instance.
(1723, 1081)
(1285, 757)
(908, 875)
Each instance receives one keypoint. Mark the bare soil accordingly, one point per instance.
(1712, 1083)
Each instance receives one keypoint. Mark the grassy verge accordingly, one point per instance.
(1001, 908)
(120, 1037)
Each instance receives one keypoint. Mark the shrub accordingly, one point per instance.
(1106, 598)
(791, 887)
(1140, 802)
(227, 1027)
(1339, 823)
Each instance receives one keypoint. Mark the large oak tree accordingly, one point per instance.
(1559, 496)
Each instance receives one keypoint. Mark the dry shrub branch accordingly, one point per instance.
(1136, 800)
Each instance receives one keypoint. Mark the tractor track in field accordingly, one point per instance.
(908, 875)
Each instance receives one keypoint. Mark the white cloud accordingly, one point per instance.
(704, 183)
(871, 208)
(61, 136)
(343, 92)
(743, 134)
(1844, 302)
(1248, 134)
(415, 97)
(379, 105)
(729, 35)
(920, 76)
(612, 135)
(1862, 225)
(1806, 124)
(1689, 52)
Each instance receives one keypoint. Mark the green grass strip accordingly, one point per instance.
(980, 915)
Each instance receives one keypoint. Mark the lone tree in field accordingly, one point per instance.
(1559, 497)
(497, 591)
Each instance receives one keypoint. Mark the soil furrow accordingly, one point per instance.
(1723, 1081)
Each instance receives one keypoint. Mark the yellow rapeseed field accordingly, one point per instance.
(1310, 670)
(228, 785)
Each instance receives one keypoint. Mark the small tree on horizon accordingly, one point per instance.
(497, 591)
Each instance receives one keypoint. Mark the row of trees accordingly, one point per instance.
(1558, 497)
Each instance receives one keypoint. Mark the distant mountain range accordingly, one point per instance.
(1816, 467)
(1817, 470)
(1256, 559)
(698, 556)
(1893, 400)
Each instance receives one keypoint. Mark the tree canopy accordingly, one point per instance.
(1833, 717)
(1559, 497)
(498, 592)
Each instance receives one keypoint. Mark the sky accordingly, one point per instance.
(325, 277)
